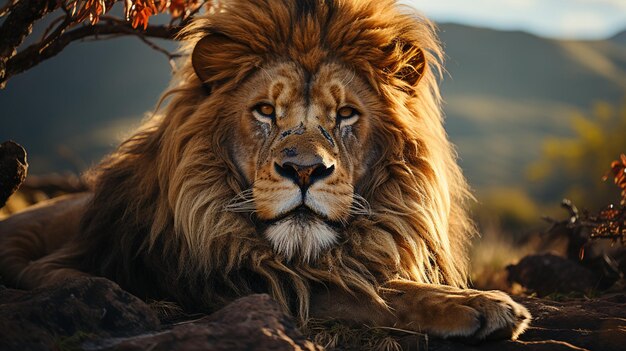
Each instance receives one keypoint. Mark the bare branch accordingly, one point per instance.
(7, 7)
(52, 25)
(60, 29)
(170, 56)
(17, 25)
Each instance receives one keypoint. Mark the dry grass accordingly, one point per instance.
(334, 335)
(18, 202)
(490, 255)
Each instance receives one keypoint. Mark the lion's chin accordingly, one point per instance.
(301, 237)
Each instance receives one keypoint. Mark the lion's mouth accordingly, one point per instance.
(302, 214)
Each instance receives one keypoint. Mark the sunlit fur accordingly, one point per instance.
(160, 224)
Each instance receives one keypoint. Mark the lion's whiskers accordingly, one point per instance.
(360, 206)
(242, 202)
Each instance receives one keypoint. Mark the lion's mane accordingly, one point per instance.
(157, 223)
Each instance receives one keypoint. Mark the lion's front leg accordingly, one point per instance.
(437, 310)
(445, 311)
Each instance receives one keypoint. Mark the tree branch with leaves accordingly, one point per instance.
(78, 20)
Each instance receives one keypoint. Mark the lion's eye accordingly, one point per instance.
(264, 110)
(347, 115)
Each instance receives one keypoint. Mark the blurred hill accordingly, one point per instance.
(72, 109)
(620, 37)
(505, 92)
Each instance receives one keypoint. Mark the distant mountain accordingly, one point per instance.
(507, 91)
(504, 91)
(619, 37)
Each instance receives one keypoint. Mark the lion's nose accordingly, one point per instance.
(304, 175)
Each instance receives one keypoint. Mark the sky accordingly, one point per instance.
(565, 19)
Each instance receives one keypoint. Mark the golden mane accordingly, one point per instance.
(158, 204)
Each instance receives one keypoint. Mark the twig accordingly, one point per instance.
(187, 17)
(67, 23)
(7, 7)
(571, 209)
(170, 56)
(52, 25)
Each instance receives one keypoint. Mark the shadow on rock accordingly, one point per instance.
(62, 316)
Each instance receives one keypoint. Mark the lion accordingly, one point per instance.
(301, 154)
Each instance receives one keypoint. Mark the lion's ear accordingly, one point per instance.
(414, 67)
(409, 64)
(210, 55)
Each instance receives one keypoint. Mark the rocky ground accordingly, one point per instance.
(95, 314)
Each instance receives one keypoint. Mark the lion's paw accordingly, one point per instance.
(448, 312)
(501, 317)
(482, 315)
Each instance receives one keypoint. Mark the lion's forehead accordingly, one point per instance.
(299, 95)
(289, 83)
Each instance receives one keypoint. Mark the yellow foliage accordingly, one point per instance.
(573, 167)
(509, 203)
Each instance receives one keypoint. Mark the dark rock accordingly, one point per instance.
(13, 169)
(250, 323)
(61, 316)
(547, 274)
(573, 239)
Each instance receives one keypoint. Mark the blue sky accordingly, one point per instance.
(581, 19)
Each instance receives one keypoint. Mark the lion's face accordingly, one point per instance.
(302, 146)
